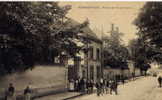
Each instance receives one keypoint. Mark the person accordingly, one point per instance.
(88, 86)
(10, 95)
(159, 80)
(107, 86)
(85, 85)
(123, 79)
(82, 85)
(91, 86)
(114, 87)
(98, 86)
(79, 85)
(76, 84)
(27, 93)
(111, 86)
(102, 85)
(133, 76)
(71, 85)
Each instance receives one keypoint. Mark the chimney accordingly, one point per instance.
(117, 29)
(112, 27)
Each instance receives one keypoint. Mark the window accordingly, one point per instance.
(91, 72)
(83, 74)
(98, 53)
(91, 52)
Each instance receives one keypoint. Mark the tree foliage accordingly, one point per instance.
(149, 25)
(140, 54)
(115, 53)
(34, 32)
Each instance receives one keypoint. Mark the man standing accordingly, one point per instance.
(159, 80)
(107, 86)
(114, 87)
(98, 86)
(10, 92)
(27, 93)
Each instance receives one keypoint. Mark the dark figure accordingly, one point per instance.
(88, 87)
(159, 80)
(98, 86)
(76, 84)
(133, 76)
(107, 86)
(27, 93)
(114, 87)
(91, 86)
(79, 85)
(82, 84)
(11, 89)
(10, 92)
(123, 79)
(102, 86)
(27, 90)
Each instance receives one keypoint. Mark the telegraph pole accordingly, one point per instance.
(87, 55)
(102, 56)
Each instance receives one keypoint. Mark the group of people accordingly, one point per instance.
(83, 85)
(102, 86)
(10, 93)
(107, 86)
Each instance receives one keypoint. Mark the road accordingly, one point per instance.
(145, 88)
(142, 89)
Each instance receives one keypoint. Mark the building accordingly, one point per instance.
(88, 64)
(93, 59)
(133, 69)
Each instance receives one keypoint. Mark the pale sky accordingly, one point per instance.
(103, 14)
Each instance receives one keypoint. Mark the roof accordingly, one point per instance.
(86, 30)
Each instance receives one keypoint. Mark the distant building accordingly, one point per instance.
(133, 69)
(112, 72)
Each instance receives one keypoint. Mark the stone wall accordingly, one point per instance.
(39, 77)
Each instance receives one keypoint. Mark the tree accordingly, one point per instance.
(115, 53)
(149, 24)
(34, 32)
(140, 54)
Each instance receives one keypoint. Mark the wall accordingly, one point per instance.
(39, 77)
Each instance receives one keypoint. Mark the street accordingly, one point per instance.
(141, 89)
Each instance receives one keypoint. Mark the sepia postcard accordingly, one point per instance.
(57, 50)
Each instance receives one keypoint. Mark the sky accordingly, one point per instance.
(102, 14)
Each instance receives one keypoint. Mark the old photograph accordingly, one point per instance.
(57, 50)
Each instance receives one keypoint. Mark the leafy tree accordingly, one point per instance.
(149, 24)
(115, 53)
(140, 54)
(34, 32)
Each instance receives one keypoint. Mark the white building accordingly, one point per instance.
(88, 63)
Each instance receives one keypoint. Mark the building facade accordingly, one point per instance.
(93, 61)
(88, 63)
